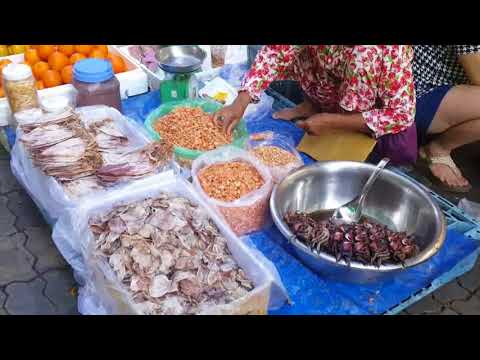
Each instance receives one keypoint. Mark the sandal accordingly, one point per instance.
(447, 161)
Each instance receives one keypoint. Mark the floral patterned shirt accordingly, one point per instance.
(374, 80)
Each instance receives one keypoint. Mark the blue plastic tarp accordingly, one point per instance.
(310, 293)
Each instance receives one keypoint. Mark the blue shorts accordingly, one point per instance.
(427, 107)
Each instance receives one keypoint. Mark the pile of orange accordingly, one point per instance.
(3, 63)
(52, 65)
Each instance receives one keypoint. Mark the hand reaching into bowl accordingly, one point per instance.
(229, 116)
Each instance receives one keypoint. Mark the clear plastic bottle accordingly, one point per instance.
(96, 83)
(19, 85)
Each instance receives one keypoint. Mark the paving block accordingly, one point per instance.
(471, 280)
(427, 305)
(41, 245)
(2, 298)
(25, 209)
(468, 307)
(7, 218)
(16, 263)
(8, 182)
(61, 290)
(450, 292)
(28, 299)
(448, 311)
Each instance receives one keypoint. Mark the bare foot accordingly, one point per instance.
(444, 173)
(305, 109)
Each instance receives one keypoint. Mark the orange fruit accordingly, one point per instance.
(31, 56)
(3, 63)
(67, 49)
(51, 78)
(44, 51)
(103, 48)
(2, 93)
(67, 74)
(97, 54)
(75, 57)
(83, 49)
(117, 63)
(57, 61)
(39, 68)
(39, 85)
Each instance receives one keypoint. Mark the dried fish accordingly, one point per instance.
(91, 156)
(169, 263)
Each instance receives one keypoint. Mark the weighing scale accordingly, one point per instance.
(180, 64)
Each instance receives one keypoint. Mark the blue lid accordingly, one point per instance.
(93, 70)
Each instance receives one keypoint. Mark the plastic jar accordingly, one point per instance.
(19, 85)
(56, 104)
(218, 55)
(96, 83)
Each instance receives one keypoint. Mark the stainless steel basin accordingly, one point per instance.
(394, 201)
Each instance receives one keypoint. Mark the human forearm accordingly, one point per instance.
(349, 122)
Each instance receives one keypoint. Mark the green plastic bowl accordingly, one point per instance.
(240, 134)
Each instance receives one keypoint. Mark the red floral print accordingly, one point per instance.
(344, 79)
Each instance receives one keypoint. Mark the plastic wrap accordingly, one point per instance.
(470, 207)
(234, 74)
(236, 54)
(269, 138)
(74, 239)
(250, 212)
(258, 111)
(46, 191)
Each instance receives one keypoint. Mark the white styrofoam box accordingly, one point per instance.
(154, 79)
(132, 82)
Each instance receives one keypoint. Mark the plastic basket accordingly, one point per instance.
(456, 218)
(240, 134)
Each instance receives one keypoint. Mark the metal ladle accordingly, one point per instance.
(352, 211)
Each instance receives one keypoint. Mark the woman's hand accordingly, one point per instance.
(229, 116)
(318, 123)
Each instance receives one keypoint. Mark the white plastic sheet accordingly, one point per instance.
(45, 190)
(74, 238)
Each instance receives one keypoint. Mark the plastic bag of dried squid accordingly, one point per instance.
(276, 152)
(237, 185)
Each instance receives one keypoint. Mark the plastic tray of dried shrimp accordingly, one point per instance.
(61, 159)
(161, 250)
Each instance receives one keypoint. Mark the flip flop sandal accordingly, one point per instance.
(443, 160)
